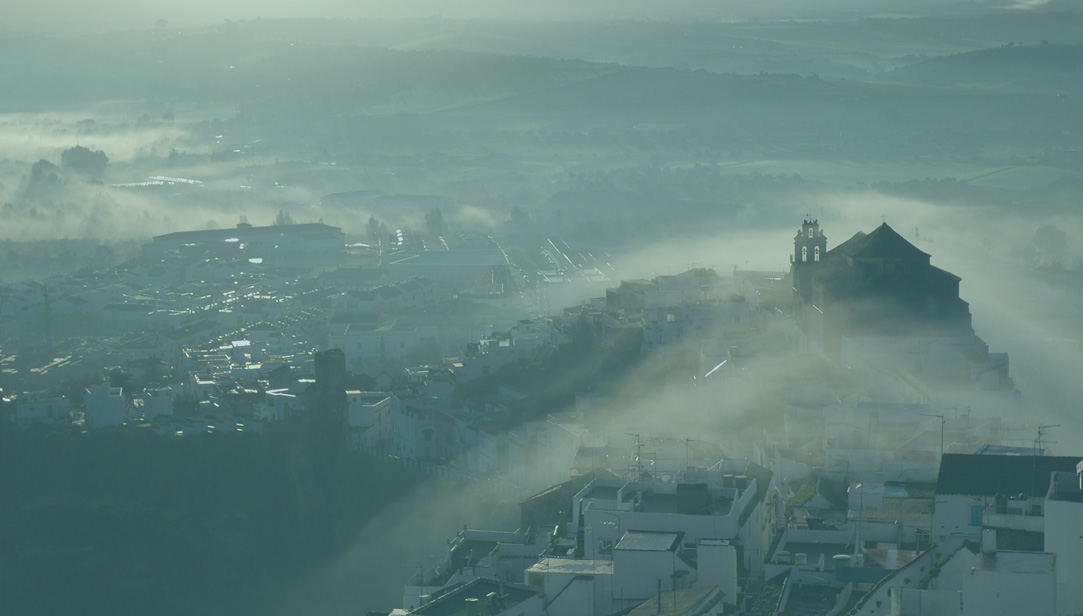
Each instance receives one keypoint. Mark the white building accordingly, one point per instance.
(994, 491)
(986, 582)
(1064, 537)
(43, 413)
(575, 587)
(474, 555)
(159, 401)
(733, 502)
(644, 561)
(373, 344)
(363, 407)
(279, 403)
(105, 406)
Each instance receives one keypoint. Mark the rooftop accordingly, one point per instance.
(243, 231)
(650, 541)
(453, 602)
(680, 602)
(1004, 475)
(1018, 562)
(882, 243)
(573, 565)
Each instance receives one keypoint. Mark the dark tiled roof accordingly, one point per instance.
(990, 475)
(882, 243)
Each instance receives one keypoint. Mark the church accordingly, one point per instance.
(875, 303)
(875, 284)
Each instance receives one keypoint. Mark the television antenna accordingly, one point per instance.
(638, 460)
(1042, 429)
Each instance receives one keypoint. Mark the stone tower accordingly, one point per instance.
(809, 248)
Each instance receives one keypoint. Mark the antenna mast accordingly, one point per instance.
(638, 460)
(1042, 429)
(941, 417)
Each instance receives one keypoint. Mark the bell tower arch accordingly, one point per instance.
(809, 248)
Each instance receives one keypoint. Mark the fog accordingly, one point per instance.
(537, 165)
(74, 16)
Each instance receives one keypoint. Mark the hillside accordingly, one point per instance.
(212, 524)
(1042, 67)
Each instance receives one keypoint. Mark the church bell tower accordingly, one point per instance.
(809, 247)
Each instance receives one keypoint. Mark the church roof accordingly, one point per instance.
(883, 243)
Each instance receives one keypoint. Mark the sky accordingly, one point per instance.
(69, 16)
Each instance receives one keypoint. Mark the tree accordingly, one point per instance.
(518, 216)
(283, 218)
(84, 161)
(185, 405)
(373, 228)
(43, 179)
(434, 220)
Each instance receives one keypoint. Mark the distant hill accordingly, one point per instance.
(1013, 66)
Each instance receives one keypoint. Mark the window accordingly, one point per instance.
(975, 514)
(804, 253)
(816, 254)
(810, 232)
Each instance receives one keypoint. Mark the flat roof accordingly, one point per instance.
(680, 602)
(650, 541)
(603, 492)
(1018, 562)
(453, 602)
(575, 566)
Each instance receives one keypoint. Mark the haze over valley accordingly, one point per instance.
(291, 296)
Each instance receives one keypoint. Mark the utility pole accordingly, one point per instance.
(1037, 452)
(941, 416)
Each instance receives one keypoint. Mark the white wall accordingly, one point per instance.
(1004, 593)
(574, 597)
(638, 572)
(718, 566)
(105, 406)
(952, 515)
(1064, 537)
(915, 602)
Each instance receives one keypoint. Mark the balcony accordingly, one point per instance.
(1013, 521)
